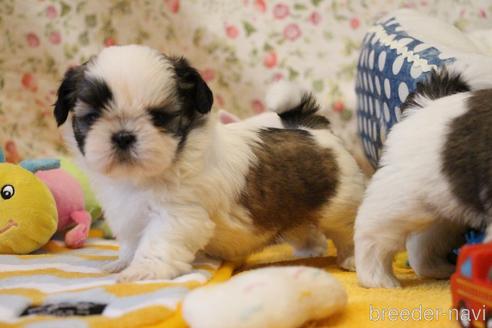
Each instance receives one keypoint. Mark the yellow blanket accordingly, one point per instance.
(66, 280)
(427, 301)
(67, 276)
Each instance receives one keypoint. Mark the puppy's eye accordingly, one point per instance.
(91, 117)
(7, 192)
(161, 118)
(88, 119)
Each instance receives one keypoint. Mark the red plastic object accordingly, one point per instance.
(471, 286)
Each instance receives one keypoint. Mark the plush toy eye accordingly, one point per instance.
(7, 192)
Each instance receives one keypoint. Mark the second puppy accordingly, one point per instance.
(434, 179)
(173, 182)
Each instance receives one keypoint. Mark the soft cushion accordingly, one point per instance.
(400, 50)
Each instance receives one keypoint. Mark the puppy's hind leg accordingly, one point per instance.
(385, 219)
(375, 247)
(428, 250)
(343, 238)
(307, 241)
(337, 223)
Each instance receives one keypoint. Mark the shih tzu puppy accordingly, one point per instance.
(434, 178)
(173, 181)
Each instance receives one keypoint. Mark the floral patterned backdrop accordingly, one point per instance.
(240, 47)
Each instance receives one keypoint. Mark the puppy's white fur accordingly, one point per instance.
(164, 213)
(164, 224)
(396, 199)
(409, 200)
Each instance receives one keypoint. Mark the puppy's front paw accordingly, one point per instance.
(379, 281)
(347, 263)
(152, 270)
(438, 270)
(115, 266)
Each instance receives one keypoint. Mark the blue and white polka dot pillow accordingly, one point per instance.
(391, 62)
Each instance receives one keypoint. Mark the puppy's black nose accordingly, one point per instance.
(123, 139)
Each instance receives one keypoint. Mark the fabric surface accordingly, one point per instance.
(72, 278)
(365, 306)
(391, 63)
(70, 281)
(239, 46)
(482, 40)
(398, 52)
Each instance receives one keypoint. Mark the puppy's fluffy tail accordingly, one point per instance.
(296, 107)
(440, 83)
(467, 73)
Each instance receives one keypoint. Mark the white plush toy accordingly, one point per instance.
(268, 297)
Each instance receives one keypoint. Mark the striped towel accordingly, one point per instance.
(60, 287)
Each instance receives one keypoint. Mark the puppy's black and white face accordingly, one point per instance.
(131, 108)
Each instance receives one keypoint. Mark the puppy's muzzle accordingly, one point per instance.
(123, 140)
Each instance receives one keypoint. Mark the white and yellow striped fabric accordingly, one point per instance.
(58, 275)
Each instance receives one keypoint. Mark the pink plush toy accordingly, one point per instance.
(70, 204)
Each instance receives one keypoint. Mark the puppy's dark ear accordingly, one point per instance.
(192, 89)
(67, 93)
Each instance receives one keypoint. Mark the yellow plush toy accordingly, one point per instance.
(28, 214)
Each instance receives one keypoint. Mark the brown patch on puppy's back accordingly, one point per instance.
(467, 153)
(291, 180)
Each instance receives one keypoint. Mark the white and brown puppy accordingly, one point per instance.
(172, 181)
(434, 179)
